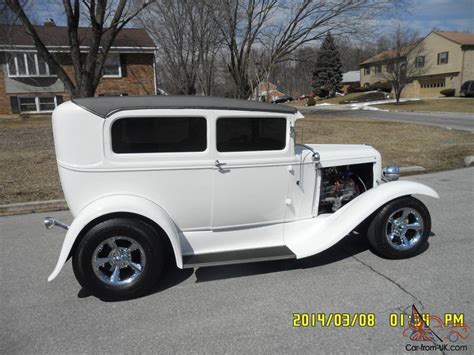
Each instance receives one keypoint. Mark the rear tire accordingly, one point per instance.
(400, 228)
(118, 259)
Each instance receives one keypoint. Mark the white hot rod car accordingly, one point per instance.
(211, 181)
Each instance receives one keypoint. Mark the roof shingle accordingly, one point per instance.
(58, 36)
(462, 38)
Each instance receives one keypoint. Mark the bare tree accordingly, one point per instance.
(280, 27)
(405, 59)
(187, 42)
(106, 19)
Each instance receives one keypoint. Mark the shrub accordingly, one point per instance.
(382, 86)
(311, 101)
(353, 88)
(447, 92)
(370, 96)
(378, 86)
(360, 89)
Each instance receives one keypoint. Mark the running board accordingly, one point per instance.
(237, 257)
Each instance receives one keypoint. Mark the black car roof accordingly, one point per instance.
(106, 106)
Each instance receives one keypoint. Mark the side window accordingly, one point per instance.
(240, 134)
(159, 135)
(443, 58)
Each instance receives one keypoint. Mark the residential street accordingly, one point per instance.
(451, 120)
(243, 308)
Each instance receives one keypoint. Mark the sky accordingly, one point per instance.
(448, 15)
(423, 15)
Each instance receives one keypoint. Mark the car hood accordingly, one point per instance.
(345, 154)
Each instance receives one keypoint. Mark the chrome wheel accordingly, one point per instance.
(404, 228)
(118, 261)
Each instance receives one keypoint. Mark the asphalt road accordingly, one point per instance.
(451, 120)
(241, 308)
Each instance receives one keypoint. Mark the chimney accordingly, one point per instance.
(49, 22)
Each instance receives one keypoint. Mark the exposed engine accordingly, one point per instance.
(339, 185)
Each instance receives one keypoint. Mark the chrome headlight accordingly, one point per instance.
(391, 173)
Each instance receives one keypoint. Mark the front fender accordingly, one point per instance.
(114, 204)
(309, 237)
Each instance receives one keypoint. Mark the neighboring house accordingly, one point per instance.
(445, 60)
(350, 79)
(267, 89)
(28, 85)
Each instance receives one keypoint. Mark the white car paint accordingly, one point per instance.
(257, 200)
(311, 236)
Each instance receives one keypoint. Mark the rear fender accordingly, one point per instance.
(116, 204)
(309, 237)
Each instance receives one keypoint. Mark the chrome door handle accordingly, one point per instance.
(219, 164)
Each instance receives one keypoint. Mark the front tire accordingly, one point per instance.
(118, 259)
(400, 229)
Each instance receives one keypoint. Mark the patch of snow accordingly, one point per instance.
(366, 108)
(325, 104)
(381, 102)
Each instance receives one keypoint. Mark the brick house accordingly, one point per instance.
(350, 80)
(27, 84)
(445, 59)
(267, 91)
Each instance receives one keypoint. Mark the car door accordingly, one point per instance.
(163, 156)
(251, 173)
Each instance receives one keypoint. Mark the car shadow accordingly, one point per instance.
(349, 246)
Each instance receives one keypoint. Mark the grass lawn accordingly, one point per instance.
(440, 105)
(28, 169)
(405, 144)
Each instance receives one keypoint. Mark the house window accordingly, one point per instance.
(367, 70)
(35, 103)
(159, 135)
(26, 65)
(420, 61)
(378, 69)
(112, 66)
(27, 104)
(239, 134)
(440, 83)
(443, 58)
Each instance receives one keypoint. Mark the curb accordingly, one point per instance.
(33, 207)
(467, 114)
(412, 169)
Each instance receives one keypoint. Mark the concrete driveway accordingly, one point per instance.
(449, 120)
(242, 308)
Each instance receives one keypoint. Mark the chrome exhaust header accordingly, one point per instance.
(50, 222)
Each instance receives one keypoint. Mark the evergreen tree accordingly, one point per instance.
(327, 75)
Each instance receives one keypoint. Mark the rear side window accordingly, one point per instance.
(239, 134)
(159, 135)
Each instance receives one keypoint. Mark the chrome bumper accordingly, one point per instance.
(50, 222)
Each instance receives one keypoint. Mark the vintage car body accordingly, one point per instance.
(213, 206)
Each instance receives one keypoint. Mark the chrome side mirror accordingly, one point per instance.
(391, 173)
(316, 157)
